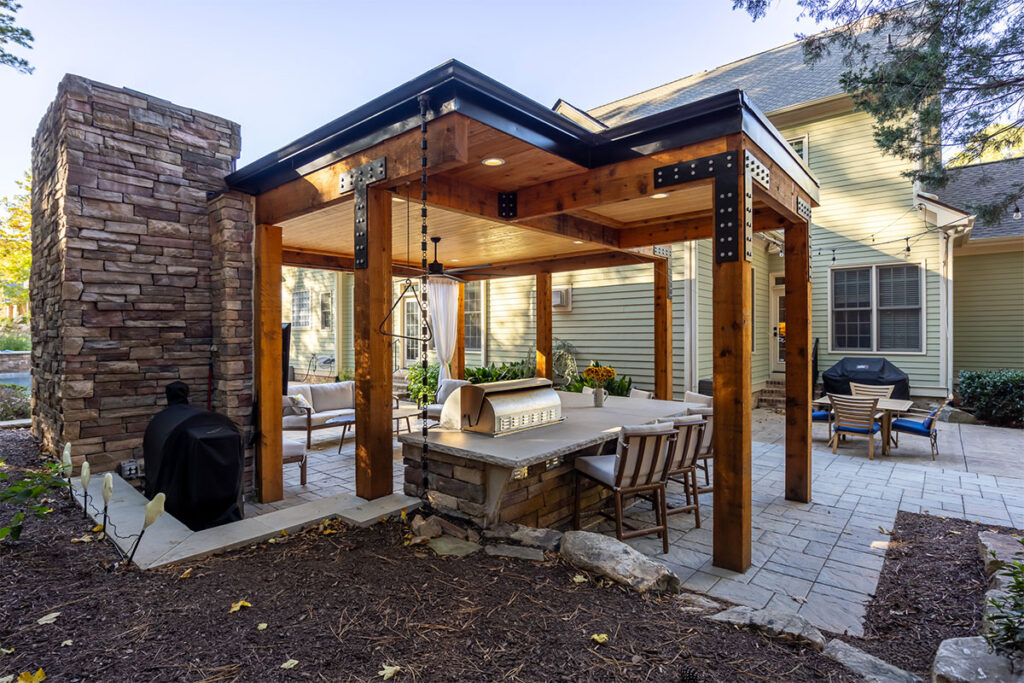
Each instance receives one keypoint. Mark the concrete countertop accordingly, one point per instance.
(584, 426)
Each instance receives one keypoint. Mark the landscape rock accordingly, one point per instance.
(545, 539)
(515, 551)
(773, 621)
(996, 550)
(430, 527)
(692, 602)
(966, 660)
(987, 610)
(957, 416)
(449, 545)
(616, 560)
(873, 669)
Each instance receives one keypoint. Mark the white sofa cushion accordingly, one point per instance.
(446, 387)
(599, 467)
(333, 396)
(318, 419)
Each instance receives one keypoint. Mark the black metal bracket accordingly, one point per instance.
(508, 205)
(358, 180)
(733, 234)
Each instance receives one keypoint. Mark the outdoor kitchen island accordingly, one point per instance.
(526, 476)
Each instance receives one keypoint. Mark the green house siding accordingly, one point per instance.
(988, 311)
(313, 339)
(867, 209)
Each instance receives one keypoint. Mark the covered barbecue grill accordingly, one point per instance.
(499, 408)
(875, 371)
(195, 458)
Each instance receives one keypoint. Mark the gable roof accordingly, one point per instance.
(774, 79)
(984, 183)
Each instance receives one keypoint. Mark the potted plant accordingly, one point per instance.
(596, 375)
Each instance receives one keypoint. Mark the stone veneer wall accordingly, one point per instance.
(139, 276)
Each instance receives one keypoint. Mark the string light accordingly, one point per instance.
(907, 250)
(833, 256)
(1016, 211)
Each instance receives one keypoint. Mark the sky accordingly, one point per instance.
(283, 68)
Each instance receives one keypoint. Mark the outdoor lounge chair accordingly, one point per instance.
(682, 462)
(705, 408)
(856, 416)
(445, 388)
(920, 423)
(637, 467)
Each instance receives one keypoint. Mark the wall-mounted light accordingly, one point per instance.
(493, 161)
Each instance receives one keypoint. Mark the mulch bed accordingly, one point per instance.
(932, 587)
(345, 604)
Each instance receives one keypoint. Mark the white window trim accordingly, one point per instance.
(483, 331)
(805, 155)
(309, 317)
(320, 310)
(922, 264)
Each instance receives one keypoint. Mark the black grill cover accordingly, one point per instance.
(195, 458)
(877, 371)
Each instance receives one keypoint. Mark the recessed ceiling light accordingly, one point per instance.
(396, 199)
(577, 241)
(493, 161)
(454, 260)
(659, 195)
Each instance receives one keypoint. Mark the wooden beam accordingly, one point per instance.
(268, 375)
(781, 193)
(373, 353)
(798, 362)
(447, 147)
(544, 359)
(300, 258)
(662, 332)
(459, 359)
(625, 180)
(666, 233)
(731, 306)
(603, 259)
(460, 197)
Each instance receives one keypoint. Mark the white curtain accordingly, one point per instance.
(443, 300)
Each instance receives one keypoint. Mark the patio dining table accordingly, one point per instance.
(887, 406)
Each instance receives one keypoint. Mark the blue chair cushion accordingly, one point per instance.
(858, 430)
(931, 418)
(913, 426)
(820, 415)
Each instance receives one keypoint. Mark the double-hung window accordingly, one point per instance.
(300, 309)
(326, 310)
(473, 302)
(877, 308)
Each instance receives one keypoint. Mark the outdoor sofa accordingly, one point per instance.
(326, 401)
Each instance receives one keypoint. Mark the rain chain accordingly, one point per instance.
(424, 329)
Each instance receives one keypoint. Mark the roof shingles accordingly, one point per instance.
(982, 184)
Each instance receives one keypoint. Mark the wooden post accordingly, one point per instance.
(733, 403)
(269, 375)
(459, 359)
(662, 332)
(373, 353)
(798, 362)
(544, 367)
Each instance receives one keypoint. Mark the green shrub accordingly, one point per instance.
(15, 335)
(1005, 634)
(422, 387)
(15, 403)
(28, 495)
(996, 396)
(498, 373)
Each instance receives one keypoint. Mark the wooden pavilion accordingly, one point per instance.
(562, 197)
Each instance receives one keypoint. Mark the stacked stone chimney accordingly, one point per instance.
(141, 268)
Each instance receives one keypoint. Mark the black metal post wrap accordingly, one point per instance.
(357, 180)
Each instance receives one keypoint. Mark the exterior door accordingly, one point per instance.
(778, 310)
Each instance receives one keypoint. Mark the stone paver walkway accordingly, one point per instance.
(822, 559)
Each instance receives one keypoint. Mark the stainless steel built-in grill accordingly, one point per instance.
(499, 408)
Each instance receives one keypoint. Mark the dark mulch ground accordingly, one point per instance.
(932, 588)
(345, 604)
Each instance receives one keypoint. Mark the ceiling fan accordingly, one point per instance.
(436, 268)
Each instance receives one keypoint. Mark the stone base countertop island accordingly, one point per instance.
(525, 477)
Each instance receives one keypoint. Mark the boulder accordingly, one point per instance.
(873, 669)
(997, 550)
(515, 551)
(966, 660)
(774, 621)
(449, 545)
(616, 560)
(987, 610)
(429, 528)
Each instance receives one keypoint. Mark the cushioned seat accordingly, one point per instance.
(316, 420)
(859, 430)
(599, 467)
(912, 426)
(294, 451)
(434, 411)
(820, 415)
